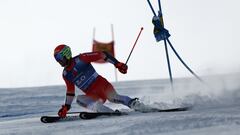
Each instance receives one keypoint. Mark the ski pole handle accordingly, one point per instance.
(134, 45)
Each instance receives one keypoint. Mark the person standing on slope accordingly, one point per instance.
(78, 71)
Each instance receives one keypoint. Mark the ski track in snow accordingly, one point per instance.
(215, 111)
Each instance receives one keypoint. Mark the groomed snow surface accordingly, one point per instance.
(216, 109)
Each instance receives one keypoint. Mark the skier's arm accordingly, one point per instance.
(109, 58)
(92, 56)
(70, 93)
(121, 66)
(69, 98)
(95, 56)
(67, 106)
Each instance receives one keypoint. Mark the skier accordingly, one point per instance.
(78, 71)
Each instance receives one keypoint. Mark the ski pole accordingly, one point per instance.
(159, 5)
(134, 46)
(149, 3)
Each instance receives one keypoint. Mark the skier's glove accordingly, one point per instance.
(63, 111)
(122, 67)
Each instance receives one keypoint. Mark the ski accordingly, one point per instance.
(92, 115)
(166, 110)
(81, 115)
(175, 109)
(147, 109)
(52, 119)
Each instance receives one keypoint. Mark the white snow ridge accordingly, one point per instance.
(216, 109)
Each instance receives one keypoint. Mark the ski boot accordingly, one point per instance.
(136, 105)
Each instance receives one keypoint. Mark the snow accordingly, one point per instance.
(215, 109)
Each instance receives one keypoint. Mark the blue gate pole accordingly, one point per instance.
(151, 8)
(169, 65)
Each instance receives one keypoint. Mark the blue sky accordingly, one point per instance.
(205, 33)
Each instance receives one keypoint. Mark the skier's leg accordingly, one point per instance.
(94, 105)
(132, 103)
(114, 97)
(102, 89)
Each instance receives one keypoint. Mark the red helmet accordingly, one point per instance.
(62, 51)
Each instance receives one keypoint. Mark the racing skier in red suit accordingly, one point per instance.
(79, 72)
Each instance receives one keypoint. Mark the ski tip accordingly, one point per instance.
(49, 119)
(43, 119)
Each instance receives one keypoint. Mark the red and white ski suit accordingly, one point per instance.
(81, 73)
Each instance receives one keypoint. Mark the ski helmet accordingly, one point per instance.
(62, 51)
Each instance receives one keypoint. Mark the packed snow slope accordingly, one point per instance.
(216, 109)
